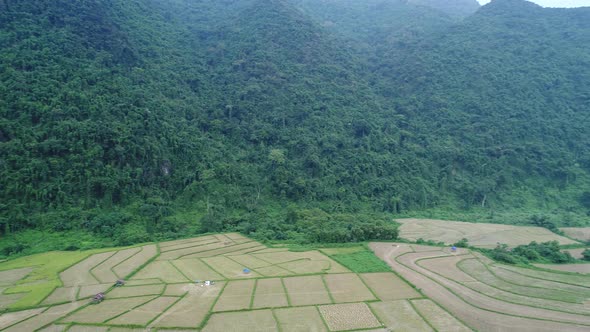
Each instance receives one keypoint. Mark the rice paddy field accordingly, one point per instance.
(478, 234)
(228, 282)
(465, 291)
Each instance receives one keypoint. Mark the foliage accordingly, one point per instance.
(118, 119)
(361, 262)
(586, 254)
(546, 252)
(463, 243)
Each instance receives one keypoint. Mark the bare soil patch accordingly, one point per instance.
(387, 286)
(91, 290)
(522, 280)
(229, 268)
(167, 244)
(249, 261)
(61, 294)
(162, 270)
(127, 291)
(399, 316)
(125, 268)
(440, 319)
(350, 316)
(191, 310)
(79, 274)
(269, 293)
(11, 318)
(580, 280)
(103, 271)
(479, 271)
(576, 253)
(141, 282)
(578, 233)
(237, 295)
(447, 266)
(195, 269)
(259, 321)
(478, 234)
(176, 254)
(273, 271)
(106, 310)
(306, 290)
(196, 242)
(439, 289)
(301, 319)
(577, 268)
(10, 277)
(7, 299)
(228, 249)
(347, 287)
(48, 316)
(144, 313)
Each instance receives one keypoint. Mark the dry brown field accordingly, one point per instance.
(269, 293)
(258, 320)
(236, 295)
(577, 233)
(103, 272)
(475, 309)
(300, 319)
(347, 287)
(79, 274)
(349, 316)
(576, 268)
(162, 270)
(192, 309)
(106, 310)
(228, 268)
(144, 313)
(479, 234)
(437, 317)
(129, 291)
(126, 267)
(195, 269)
(46, 317)
(306, 290)
(399, 316)
(387, 286)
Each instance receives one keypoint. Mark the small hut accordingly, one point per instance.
(119, 283)
(98, 298)
(246, 271)
(453, 249)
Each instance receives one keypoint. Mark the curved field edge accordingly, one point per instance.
(459, 306)
(44, 278)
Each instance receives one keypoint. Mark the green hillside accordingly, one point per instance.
(137, 120)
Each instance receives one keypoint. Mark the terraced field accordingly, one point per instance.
(479, 234)
(256, 288)
(480, 294)
(165, 291)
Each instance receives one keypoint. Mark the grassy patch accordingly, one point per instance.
(45, 276)
(361, 261)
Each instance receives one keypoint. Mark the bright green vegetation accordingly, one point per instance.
(45, 275)
(546, 252)
(361, 261)
(128, 121)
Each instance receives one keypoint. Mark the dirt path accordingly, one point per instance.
(435, 287)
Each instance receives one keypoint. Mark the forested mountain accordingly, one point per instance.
(143, 119)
